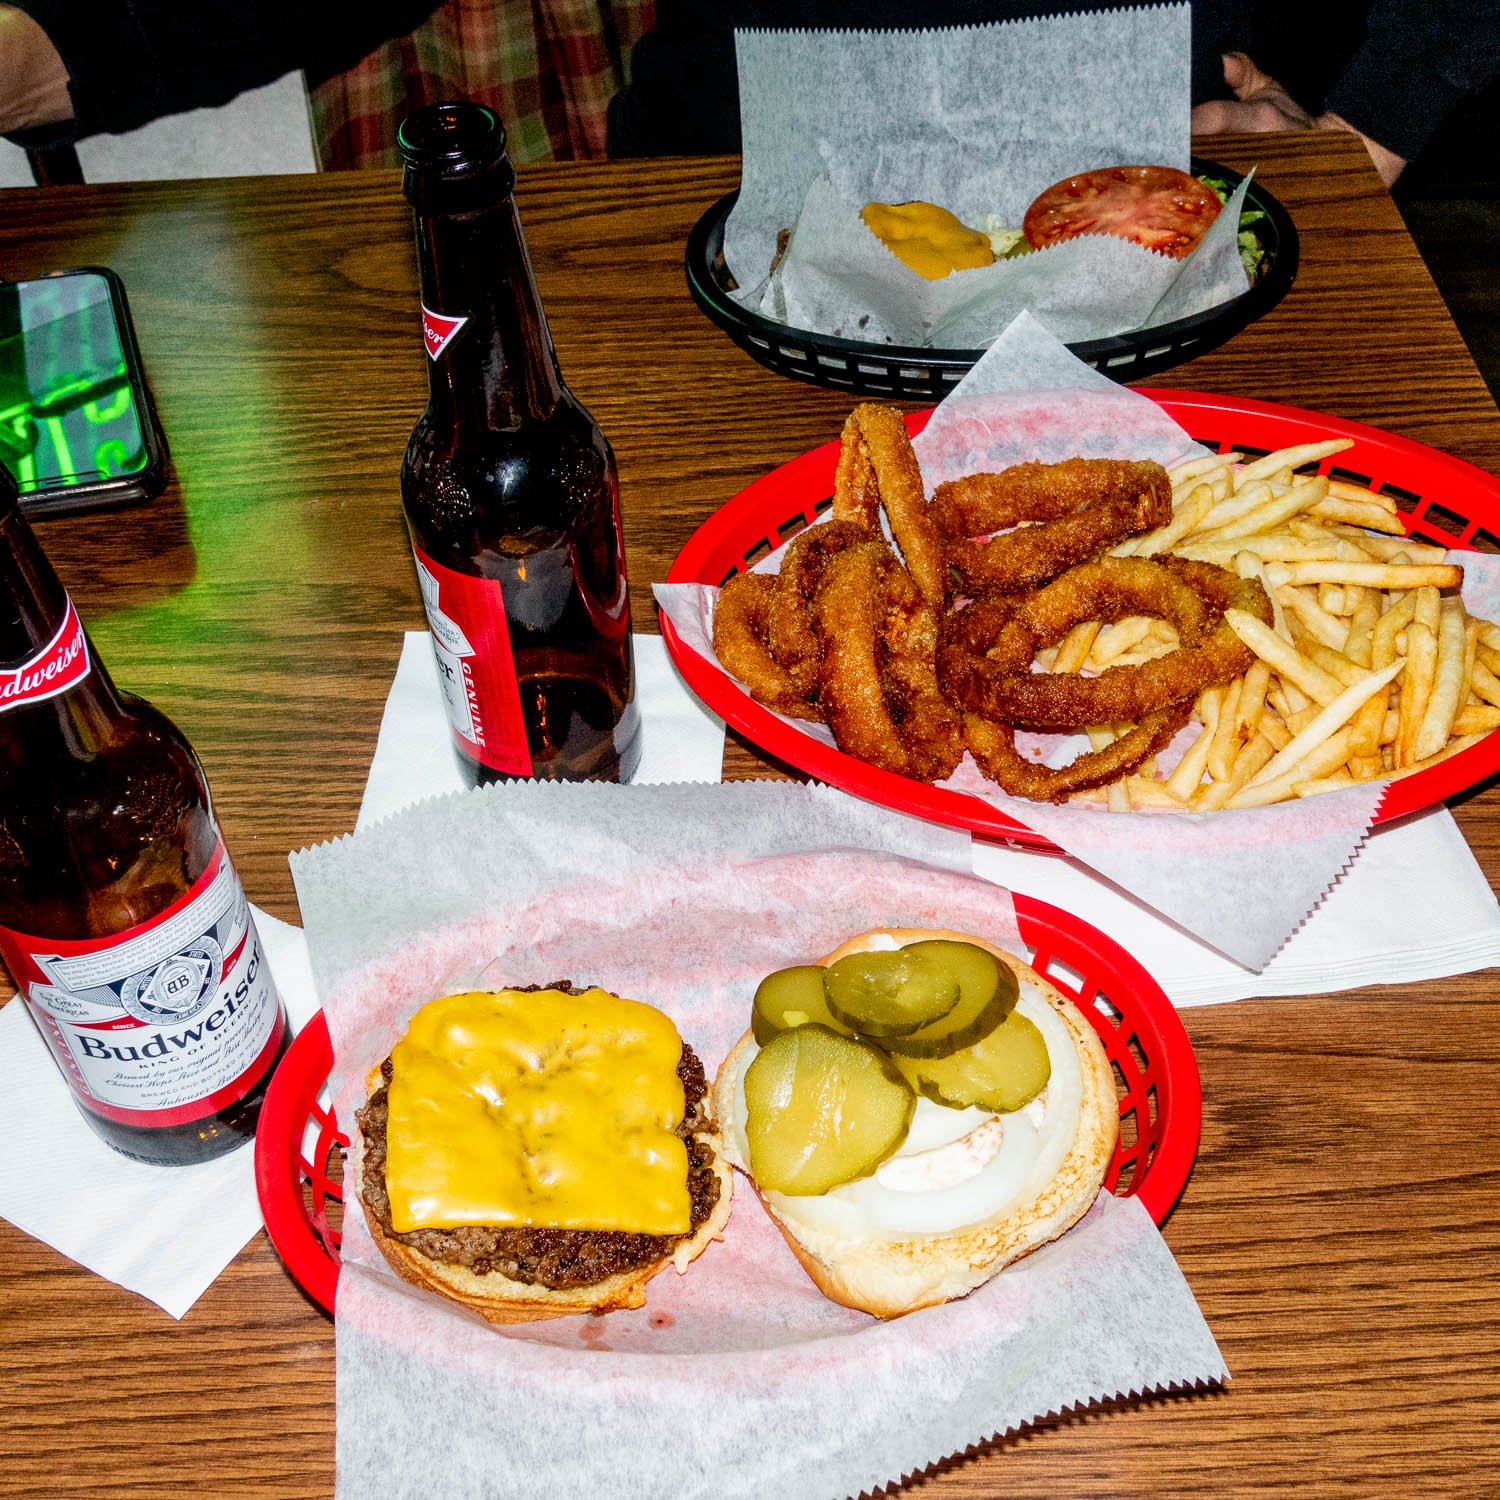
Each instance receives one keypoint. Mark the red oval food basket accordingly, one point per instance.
(299, 1145)
(1442, 500)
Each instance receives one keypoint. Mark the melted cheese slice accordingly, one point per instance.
(537, 1108)
(926, 238)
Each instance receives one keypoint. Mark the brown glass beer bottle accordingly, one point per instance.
(122, 921)
(509, 487)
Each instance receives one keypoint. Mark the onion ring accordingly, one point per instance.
(740, 619)
(789, 632)
(984, 662)
(1081, 507)
(993, 747)
(876, 681)
(878, 468)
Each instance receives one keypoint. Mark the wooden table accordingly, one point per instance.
(1340, 1228)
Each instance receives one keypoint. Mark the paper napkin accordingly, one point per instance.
(165, 1232)
(1413, 905)
(681, 739)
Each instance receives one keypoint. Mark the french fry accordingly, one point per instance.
(1341, 489)
(1318, 760)
(1484, 684)
(1476, 718)
(1075, 647)
(1195, 468)
(1291, 458)
(1416, 689)
(1222, 750)
(1377, 575)
(1275, 731)
(1189, 770)
(1113, 641)
(1333, 717)
(1286, 659)
(1320, 625)
(1185, 519)
(1356, 513)
(1146, 792)
(1272, 511)
(1331, 598)
(1387, 548)
(1448, 685)
(1335, 663)
(1337, 782)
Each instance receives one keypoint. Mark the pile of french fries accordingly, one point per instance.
(1372, 667)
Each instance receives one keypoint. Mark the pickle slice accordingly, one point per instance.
(788, 998)
(1002, 1072)
(890, 992)
(821, 1109)
(987, 994)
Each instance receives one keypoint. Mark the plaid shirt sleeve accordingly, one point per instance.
(547, 67)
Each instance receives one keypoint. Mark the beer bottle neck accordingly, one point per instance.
(499, 366)
(37, 632)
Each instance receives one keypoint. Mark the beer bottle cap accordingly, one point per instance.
(451, 141)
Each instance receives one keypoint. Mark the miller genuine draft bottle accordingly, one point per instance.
(509, 486)
(122, 921)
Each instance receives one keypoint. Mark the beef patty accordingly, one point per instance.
(557, 1258)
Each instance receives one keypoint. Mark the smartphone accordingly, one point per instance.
(77, 425)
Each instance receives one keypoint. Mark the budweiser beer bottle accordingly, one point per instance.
(509, 487)
(122, 921)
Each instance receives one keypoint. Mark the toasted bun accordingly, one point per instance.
(501, 1300)
(887, 1273)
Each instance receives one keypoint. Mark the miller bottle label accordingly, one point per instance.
(164, 1022)
(471, 641)
(438, 330)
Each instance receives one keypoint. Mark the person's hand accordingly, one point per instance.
(33, 80)
(1260, 103)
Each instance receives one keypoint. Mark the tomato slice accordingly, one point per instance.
(1158, 207)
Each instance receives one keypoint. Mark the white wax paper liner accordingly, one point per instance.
(979, 119)
(743, 1343)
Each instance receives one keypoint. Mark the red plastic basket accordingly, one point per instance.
(299, 1146)
(1442, 499)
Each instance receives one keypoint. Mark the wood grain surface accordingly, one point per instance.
(1340, 1227)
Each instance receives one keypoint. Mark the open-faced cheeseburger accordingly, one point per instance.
(917, 1110)
(537, 1152)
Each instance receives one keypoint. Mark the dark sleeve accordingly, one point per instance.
(1419, 60)
(130, 61)
(683, 97)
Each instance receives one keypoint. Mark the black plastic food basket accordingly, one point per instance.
(917, 374)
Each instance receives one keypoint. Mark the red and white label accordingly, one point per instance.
(166, 1022)
(471, 641)
(438, 331)
(61, 664)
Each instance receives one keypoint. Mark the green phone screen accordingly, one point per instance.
(68, 413)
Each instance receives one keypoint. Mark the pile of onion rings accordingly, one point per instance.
(913, 657)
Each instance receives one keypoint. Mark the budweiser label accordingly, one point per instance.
(471, 641)
(166, 1022)
(438, 331)
(61, 664)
